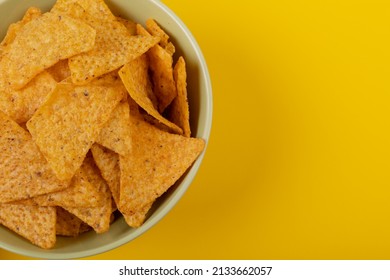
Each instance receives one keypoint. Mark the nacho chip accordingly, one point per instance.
(37, 224)
(84, 227)
(179, 112)
(158, 159)
(108, 163)
(84, 190)
(38, 45)
(96, 8)
(134, 76)
(162, 73)
(130, 25)
(162, 76)
(69, 122)
(67, 223)
(60, 71)
(155, 30)
(24, 172)
(96, 217)
(114, 47)
(136, 219)
(14, 28)
(116, 134)
(21, 104)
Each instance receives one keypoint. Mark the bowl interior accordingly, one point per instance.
(200, 99)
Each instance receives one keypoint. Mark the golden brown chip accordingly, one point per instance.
(14, 28)
(84, 227)
(158, 159)
(37, 224)
(108, 163)
(162, 73)
(24, 172)
(155, 30)
(96, 217)
(60, 71)
(116, 134)
(114, 47)
(84, 190)
(69, 122)
(162, 76)
(130, 25)
(21, 104)
(96, 8)
(179, 112)
(67, 223)
(137, 218)
(38, 45)
(135, 77)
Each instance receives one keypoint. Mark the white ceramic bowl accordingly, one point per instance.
(200, 99)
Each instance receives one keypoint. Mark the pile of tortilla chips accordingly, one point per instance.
(94, 121)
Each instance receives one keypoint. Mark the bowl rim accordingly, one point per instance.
(179, 192)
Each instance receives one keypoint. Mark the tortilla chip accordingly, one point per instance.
(96, 8)
(116, 134)
(162, 76)
(155, 30)
(69, 122)
(130, 25)
(84, 228)
(60, 71)
(160, 64)
(108, 163)
(24, 172)
(14, 28)
(179, 112)
(37, 224)
(84, 190)
(67, 223)
(156, 162)
(21, 104)
(39, 45)
(114, 47)
(96, 217)
(135, 77)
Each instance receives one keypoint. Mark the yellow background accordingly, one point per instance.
(299, 158)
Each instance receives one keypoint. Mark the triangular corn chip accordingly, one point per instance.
(14, 28)
(134, 76)
(108, 163)
(97, 217)
(160, 64)
(114, 47)
(179, 112)
(84, 190)
(40, 43)
(156, 162)
(68, 123)
(116, 134)
(96, 8)
(21, 104)
(130, 25)
(24, 172)
(37, 224)
(67, 223)
(155, 30)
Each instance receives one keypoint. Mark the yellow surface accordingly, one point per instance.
(299, 159)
